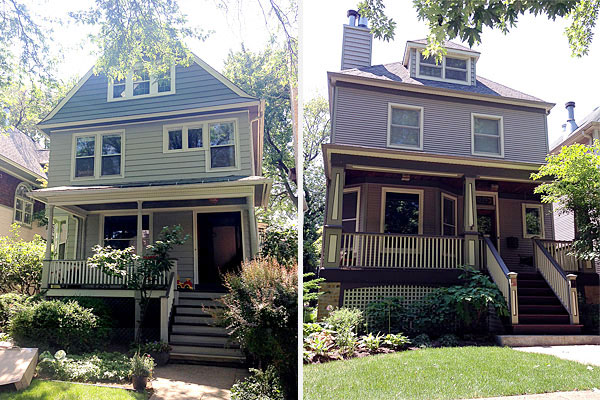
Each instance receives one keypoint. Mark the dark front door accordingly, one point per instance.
(219, 246)
(486, 224)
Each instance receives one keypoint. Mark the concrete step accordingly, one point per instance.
(546, 329)
(189, 311)
(547, 340)
(188, 319)
(200, 330)
(199, 303)
(200, 295)
(208, 351)
(195, 340)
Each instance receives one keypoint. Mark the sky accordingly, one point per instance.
(533, 58)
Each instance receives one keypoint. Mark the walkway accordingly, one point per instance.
(587, 354)
(583, 395)
(194, 382)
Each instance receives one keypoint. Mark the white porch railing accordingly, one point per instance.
(401, 251)
(559, 250)
(503, 278)
(71, 273)
(562, 285)
(166, 306)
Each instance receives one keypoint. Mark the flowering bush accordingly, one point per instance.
(261, 385)
(21, 262)
(142, 365)
(94, 367)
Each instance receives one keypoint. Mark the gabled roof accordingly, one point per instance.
(397, 72)
(588, 121)
(447, 44)
(20, 150)
(452, 47)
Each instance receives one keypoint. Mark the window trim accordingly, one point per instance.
(455, 199)
(499, 118)
(540, 207)
(351, 190)
(184, 136)
(129, 88)
(97, 154)
(103, 215)
(443, 65)
(25, 201)
(385, 190)
(391, 106)
(236, 144)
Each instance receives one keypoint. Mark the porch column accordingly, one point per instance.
(253, 230)
(471, 250)
(332, 232)
(139, 241)
(48, 255)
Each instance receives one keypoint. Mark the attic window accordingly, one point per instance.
(140, 84)
(452, 69)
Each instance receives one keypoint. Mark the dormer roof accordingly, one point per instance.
(450, 46)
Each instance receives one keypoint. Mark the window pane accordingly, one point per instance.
(118, 91)
(349, 207)
(175, 142)
(141, 88)
(222, 157)
(449, 230)
(221, 133)
(111, 144)
(85, 146)
(532, 221)
(19, 216)
(349, 225)
(164, 85)
(431, 71)
(141, 75)
(401, 213)
(456, 63)
(194, 138)
(19, 204)
(428, 60)
(449, 217)
(22, 191)
(405, 117)
(487, 126)
(28, 207)
(120, 227)
(27, 219)
(84, 166)
(458, 75)
(486, 144)
(404, 136)
(111, 165)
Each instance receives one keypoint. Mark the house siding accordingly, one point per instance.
(194, 88)
(361, 116)
(144, 160)
(564, 225)
(356, 47)
(185, 252)
(92, 233)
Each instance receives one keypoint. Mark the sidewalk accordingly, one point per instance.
(587, 354)
(583, 395)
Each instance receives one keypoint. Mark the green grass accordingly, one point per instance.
(46, 390)
(446, 373)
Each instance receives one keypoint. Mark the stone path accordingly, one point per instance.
(583, 395)
(194, 382)
(588, 354)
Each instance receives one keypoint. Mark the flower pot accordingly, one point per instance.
(161, 359)
(139, 382)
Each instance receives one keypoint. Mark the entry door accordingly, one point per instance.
(487, 223)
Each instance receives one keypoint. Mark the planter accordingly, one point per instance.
(161, 359)
(139, 382)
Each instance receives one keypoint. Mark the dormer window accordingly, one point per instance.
(140, 83)
(452, 69)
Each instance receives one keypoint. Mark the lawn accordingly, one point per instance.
(446, 373)
(46, 390)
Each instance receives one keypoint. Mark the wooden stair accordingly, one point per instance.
(540, 311)
(194, 336)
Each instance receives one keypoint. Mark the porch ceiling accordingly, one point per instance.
(165, 204)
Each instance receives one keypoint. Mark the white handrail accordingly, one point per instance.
(561, 251)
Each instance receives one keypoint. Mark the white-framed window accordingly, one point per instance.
(120, 231)
(449, 215)
(351, 209)
(184, 137)
(139, 83)
(533, 220)
(405, 126)
(23, 205)
(222, 145)
(452, 69)
(487, 135)
(401, 211)
(98, 155)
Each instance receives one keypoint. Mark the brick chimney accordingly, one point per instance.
(357, 42)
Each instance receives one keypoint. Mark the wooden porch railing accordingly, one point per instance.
(560, 249)
(71, 273)
(166, 306)
(562, 284)
(401, 251)
(503, 278)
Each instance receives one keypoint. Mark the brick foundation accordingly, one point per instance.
(330, 297)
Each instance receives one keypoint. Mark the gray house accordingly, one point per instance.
(130, 157)
(428, 170)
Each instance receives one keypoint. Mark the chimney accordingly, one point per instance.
(357, 42)
(571, 124)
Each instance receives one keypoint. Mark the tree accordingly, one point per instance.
(448, 19)
(316, 133)
(574, 185)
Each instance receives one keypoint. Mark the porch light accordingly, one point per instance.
(405, 177)
(213, 201)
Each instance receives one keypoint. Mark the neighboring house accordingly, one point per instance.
(21, 170)
(428, 170)
(130, 157)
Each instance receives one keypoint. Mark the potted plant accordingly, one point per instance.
(158, 350)
(142, 367)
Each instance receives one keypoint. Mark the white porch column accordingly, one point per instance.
(139, 241)
(48, 255)
(470, 223)
(253, 229)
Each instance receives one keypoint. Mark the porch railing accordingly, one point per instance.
(166, 306)
(401, 251)
(560, 250)
(78, 273)
(562, 284)
(503, 278)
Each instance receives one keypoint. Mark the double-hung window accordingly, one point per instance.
(140, 83)
(452, 69)
(402, 211)
(222, 145)
(98, 155)
(405, 126)
(533, 220)
(487, 135)
(23, 205)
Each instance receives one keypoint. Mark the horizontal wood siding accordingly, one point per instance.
(361, 119)
(92, 232)
(144, 157)
(194, 88)
(184, 253)
(356, 47)
(564, 225)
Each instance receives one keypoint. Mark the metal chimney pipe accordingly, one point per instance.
(363, 22)
(352, 16)
(571, 124)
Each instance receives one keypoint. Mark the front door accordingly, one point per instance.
(219, 247)
(487, 223)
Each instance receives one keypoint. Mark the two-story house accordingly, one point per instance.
(428, 170)
(132, 156)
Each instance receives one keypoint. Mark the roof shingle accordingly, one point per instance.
(22, 150)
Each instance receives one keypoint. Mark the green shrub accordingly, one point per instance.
(99, 308)
(261, 385)
(310, 294)
(346, 319)
(371, 343)
(281, 244)
(56, 325)
(396, 341)
(94, 367)
(421, 341)
(311, 327)
(21, 262)
(10, 302)
(449, 340)
(261, 313)
(387, 316)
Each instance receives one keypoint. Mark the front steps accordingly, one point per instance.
(540, 311)
(195, 338)
(546, 340)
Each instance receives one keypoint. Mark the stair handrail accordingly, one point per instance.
(562, 284)
(166, 307)
(503, 278)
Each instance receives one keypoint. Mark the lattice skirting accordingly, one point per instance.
(361, 297)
